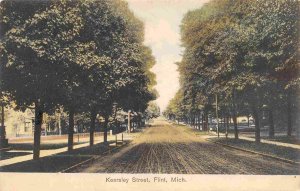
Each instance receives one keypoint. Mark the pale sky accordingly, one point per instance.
(162, 20)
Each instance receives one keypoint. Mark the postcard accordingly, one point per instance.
(149, 95)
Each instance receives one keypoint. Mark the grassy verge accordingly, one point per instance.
(274, 150)
(61, 161)
(45, 164)
(21, 149)
(285, 139)
(44, 146)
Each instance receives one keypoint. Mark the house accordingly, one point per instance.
(18, 123)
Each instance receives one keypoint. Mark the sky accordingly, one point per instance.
(162, 20)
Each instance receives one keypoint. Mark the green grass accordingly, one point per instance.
(286, 139)
(59, 162)
(45, 164)
(275, 150)
(22, 149)
(44, 146)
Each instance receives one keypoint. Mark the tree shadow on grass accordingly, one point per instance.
(45, 164)
(7, 154)
(44, 146)
(61, 161)
(271, 149)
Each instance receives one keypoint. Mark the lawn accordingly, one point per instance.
(275, 150)
(61, 161)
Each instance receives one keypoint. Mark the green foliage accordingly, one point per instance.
(84, 56)
(247, 52)
(152, 111)
(82, 53)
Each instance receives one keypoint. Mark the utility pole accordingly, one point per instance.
(217, 116)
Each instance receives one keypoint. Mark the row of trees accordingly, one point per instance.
(245, 55)
(84, 56)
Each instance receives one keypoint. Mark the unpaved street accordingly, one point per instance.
(164, 148)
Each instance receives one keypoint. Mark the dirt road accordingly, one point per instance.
(164, 148)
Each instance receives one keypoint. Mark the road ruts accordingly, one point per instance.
(167, 149)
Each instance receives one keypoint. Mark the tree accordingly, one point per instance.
(243, 51)
(152, 111)
(118, 36)
(35, 70)
(82, 56)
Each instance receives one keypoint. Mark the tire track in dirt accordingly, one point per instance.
(164, 148)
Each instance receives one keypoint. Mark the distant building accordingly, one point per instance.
(244, 119)
(21, 124)
(18, 123)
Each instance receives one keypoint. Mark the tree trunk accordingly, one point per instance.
(206, 123)
(129, 122)
(199, 120)
(59, 123)
(202, 121)
(227, 126)
(289, 114)
(236, 133)
(217, 116)
(115, 121)
(92, 127)
(71, 130)
(248, 118)
(37, 131)
(2, 115)
(132, 126)
(271, 123)
(223, 121)
(234, 114)
(194, 120)
(3, 131)
(257, 124)
(105, 129)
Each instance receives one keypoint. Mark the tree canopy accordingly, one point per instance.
(246, 53)
(84, 56)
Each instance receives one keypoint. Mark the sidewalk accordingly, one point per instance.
(289, 145)
(286, 152)
(45, 153)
